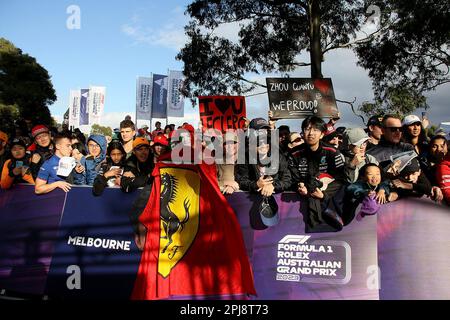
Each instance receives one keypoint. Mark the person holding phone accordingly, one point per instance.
(17, 168)
(111, 169)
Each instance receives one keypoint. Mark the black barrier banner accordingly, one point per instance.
(297, 98)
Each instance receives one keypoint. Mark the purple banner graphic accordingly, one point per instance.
(413, 250)
(28, 229)
(96, 239)
(88, 251)
(290, 264)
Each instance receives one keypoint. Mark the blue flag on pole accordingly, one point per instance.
(159, 100)
(84, 111)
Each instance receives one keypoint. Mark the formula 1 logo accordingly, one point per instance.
(318, 261)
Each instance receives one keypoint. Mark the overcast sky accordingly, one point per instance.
(121, 40)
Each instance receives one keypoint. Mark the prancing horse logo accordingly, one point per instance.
(179, 215)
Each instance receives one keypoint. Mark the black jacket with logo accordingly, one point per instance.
(306, 164)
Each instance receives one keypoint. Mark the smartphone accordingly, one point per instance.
(117, 167)
(19, 164)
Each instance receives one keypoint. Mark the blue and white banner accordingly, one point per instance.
(175, 103)
(74, 108)
(144, 87)
(159, 101)
(96, 104)
(84, 107)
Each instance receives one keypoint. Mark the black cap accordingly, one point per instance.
(18, 142)
(411, 167)
(259, 123)
(375, 121)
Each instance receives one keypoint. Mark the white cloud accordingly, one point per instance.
(171, 35)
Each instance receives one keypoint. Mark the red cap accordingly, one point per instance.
(37, 130)
(161, 139)
(189, 128)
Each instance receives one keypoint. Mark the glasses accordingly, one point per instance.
(93, 146)
(42, 136)
(313, 129)
(394, 129)
(297, 140)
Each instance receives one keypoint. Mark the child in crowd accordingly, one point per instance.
(111, 168)
(370, 191)
(412, 182)
(78, 151)
(354, 150)
(17, 168)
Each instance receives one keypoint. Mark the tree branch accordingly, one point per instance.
(353, 109)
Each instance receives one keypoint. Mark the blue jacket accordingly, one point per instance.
(92, 166)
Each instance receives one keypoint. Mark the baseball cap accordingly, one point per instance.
(230, 136)
(37, 130)
(259, 123)
(294, 136)
(18, 142)
(375, 121)
(411, 167)
(162, 140)
(356, 136)
(189, 128)
(409, 120)
(140, 142)
(3, 136)
(144, 126)
(269, 211)
(65, 166)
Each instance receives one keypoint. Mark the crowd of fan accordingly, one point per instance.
(334, 169)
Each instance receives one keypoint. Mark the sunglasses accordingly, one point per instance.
(394, 129)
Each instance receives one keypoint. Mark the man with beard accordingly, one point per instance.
(390, 143)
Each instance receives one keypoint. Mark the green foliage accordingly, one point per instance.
(431, 131)
(411, 51)
(25, 83)
(98, 129)
(271, 35)
(8, 116)
(397, 101)
(407, 55)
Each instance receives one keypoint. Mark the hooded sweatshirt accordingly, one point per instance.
(443, 177)
(91, 165)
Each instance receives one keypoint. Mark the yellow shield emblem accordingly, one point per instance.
(179, 216)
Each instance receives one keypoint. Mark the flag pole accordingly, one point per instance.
(167, 106)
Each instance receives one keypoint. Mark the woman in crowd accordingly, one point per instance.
(414, 133)
(167, 131)
(111, 168)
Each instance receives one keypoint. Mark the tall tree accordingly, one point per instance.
(98, 129)
(411, 50)
(25, 83)
(272, 35)
(407, 51)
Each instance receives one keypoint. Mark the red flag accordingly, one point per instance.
(194, 244)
